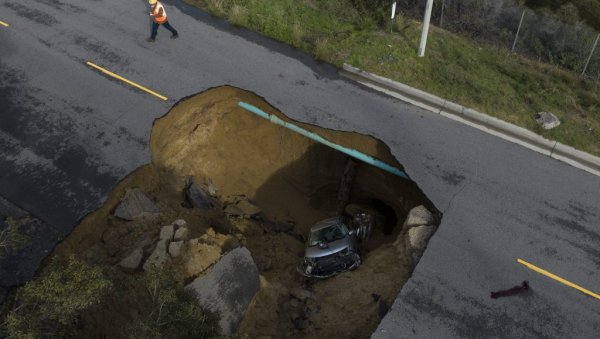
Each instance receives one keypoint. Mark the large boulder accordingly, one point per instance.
(228, 288)
(418, 238)
(134, 205)
(418, 216)
(547, 120)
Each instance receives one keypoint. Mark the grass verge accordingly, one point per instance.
(483, 77)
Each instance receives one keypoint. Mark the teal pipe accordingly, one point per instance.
(314, 136)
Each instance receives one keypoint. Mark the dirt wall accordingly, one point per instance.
(283, 172)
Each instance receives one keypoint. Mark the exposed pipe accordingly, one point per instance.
(314, 136)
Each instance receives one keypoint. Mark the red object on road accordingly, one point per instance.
(513, 291)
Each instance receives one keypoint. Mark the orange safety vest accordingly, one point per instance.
(159, 19)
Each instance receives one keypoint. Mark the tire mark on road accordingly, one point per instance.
(61, 6)
(32, 14)
(100, 50)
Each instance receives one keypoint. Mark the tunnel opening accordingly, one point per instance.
(389, 224)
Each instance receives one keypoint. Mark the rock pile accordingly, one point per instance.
(194, 256)
(169, 245)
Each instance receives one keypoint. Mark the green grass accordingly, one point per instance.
(483, 77)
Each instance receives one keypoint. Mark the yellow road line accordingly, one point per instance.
(125, 80)
(557, 278)
(3, 24)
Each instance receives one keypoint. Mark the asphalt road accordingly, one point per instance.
(69, 133)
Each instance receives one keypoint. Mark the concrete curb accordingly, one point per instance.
(476, 119)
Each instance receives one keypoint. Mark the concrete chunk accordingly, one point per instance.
(419, 235)
(159, 257)
(135, 204)
(228, 288)
(133, 260)
(179, 223)
(166, 232)
(419, 216)
(182, 233)
(175, 248)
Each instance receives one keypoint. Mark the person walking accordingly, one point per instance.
(160, 18)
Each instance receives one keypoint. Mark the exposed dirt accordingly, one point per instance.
(294, 181)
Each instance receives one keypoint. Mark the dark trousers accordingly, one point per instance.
(166, 25)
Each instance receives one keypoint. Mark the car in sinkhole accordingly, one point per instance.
(334, 245)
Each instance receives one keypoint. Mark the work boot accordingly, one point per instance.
(175, 36)
(150, 39)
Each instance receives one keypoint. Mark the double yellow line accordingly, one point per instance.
(557, 278)
(4, 24)
(107, 72)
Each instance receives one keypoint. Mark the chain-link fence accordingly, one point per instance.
(559, 38)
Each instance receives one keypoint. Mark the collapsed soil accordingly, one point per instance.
(209, 139)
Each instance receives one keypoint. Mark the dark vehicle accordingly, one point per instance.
(334, 244)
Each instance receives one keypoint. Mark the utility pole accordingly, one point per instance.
(425, 30)
(393, 15)
(590, 57)
(518, 30)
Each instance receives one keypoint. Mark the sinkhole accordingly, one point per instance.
(296, 181)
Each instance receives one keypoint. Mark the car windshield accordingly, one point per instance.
(328, 234)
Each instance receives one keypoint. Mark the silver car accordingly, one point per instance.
(333, 246)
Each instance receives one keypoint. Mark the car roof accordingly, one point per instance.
(326, 223)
